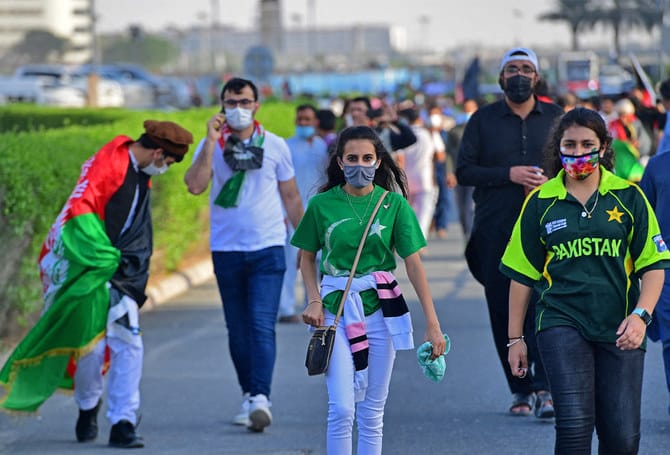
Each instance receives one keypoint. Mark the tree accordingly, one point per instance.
(139, 47)
(620, 14)
(575, 13)
(40, 46)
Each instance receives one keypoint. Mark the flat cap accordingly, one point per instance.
(169, 136)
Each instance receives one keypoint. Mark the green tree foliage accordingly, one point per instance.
(38, 46)
(615, 14)
(138, 47)
(574, 13)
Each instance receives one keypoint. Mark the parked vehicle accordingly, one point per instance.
(615, 80)
(62, 87)
(138, 93)
(578, 73)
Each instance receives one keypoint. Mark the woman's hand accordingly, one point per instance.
(313, 314)
(632, 331)
(436, 338)
(517, 356)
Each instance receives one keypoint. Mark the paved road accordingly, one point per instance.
(189, 389)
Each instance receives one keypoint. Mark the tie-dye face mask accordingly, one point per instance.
(580, 166)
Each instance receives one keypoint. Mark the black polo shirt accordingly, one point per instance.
(494, 140)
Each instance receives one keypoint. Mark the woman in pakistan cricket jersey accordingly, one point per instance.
(590, 244)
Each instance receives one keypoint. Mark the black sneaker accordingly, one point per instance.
(123, 435)
(87, 424)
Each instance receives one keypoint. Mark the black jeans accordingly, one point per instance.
(593, 385)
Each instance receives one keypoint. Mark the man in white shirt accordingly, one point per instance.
(252, 177)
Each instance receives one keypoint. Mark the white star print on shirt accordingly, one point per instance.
(376, 228)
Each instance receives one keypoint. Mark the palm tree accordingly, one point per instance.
(619, 14)
(576, 13)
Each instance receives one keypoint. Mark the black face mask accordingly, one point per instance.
(518, 88)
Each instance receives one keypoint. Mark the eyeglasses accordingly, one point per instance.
(514, 70)
(245, 103)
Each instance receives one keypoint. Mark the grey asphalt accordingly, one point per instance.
(189, 389)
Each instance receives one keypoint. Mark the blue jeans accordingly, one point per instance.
(250, 284)
(440, 217)
(593, 385)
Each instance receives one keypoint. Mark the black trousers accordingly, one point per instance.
(483, 254)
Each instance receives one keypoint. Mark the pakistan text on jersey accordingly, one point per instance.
(588, 246)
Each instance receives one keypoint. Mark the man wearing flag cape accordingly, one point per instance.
(94, 266)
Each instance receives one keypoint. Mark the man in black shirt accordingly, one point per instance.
(501, 155)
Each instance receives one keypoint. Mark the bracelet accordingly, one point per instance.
(514, 341)
(315, 300)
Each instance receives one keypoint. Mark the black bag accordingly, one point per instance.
(319, 349)
(321, 344)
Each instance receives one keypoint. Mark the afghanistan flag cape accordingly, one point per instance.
(76, 262)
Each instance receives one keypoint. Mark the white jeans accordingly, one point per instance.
(339, 379)
(123, 386)
(423, 203)
(287, 303)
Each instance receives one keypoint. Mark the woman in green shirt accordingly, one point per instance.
(376, 321)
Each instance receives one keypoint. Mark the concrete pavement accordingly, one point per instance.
(189, 389)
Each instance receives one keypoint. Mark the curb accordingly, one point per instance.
(177, 283)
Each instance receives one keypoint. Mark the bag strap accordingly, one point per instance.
(358, 256)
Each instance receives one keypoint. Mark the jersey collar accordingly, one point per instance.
(555, 188)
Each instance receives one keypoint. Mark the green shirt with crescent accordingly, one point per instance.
(334, 222)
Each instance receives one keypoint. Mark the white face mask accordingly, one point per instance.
(152, 169)
(239, 118)
(436, 120)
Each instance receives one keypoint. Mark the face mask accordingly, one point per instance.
(239, 118)
(580, 166)
(518, 88)
(152, 169)
(348, 120)
(359, 176)
(304, 131)
(436, 120)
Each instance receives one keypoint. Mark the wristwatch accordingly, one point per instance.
(646, 317)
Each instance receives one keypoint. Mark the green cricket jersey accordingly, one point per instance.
(585, 269)
(334, 224)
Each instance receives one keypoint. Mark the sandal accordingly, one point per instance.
(522, 401)
(544, 405)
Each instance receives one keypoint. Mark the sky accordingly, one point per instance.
(437, 24)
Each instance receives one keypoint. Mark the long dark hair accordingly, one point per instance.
(389, 176)
(579, 116)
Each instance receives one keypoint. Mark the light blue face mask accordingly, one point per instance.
(304, 131)
(359, 176)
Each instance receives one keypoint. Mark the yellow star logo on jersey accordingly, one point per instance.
(614, 214)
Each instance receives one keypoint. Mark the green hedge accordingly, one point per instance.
(43, 149)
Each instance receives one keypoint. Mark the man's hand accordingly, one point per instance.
(527, 176)
(214, 127)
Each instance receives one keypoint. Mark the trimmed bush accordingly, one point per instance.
(43, 150)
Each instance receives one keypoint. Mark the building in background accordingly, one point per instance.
(71, 20)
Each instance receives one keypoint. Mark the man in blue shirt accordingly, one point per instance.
(656, 186)
(310, 160)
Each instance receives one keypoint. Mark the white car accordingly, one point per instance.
(60, 87)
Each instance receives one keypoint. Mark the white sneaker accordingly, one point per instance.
(243, 417)
(259, 413)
